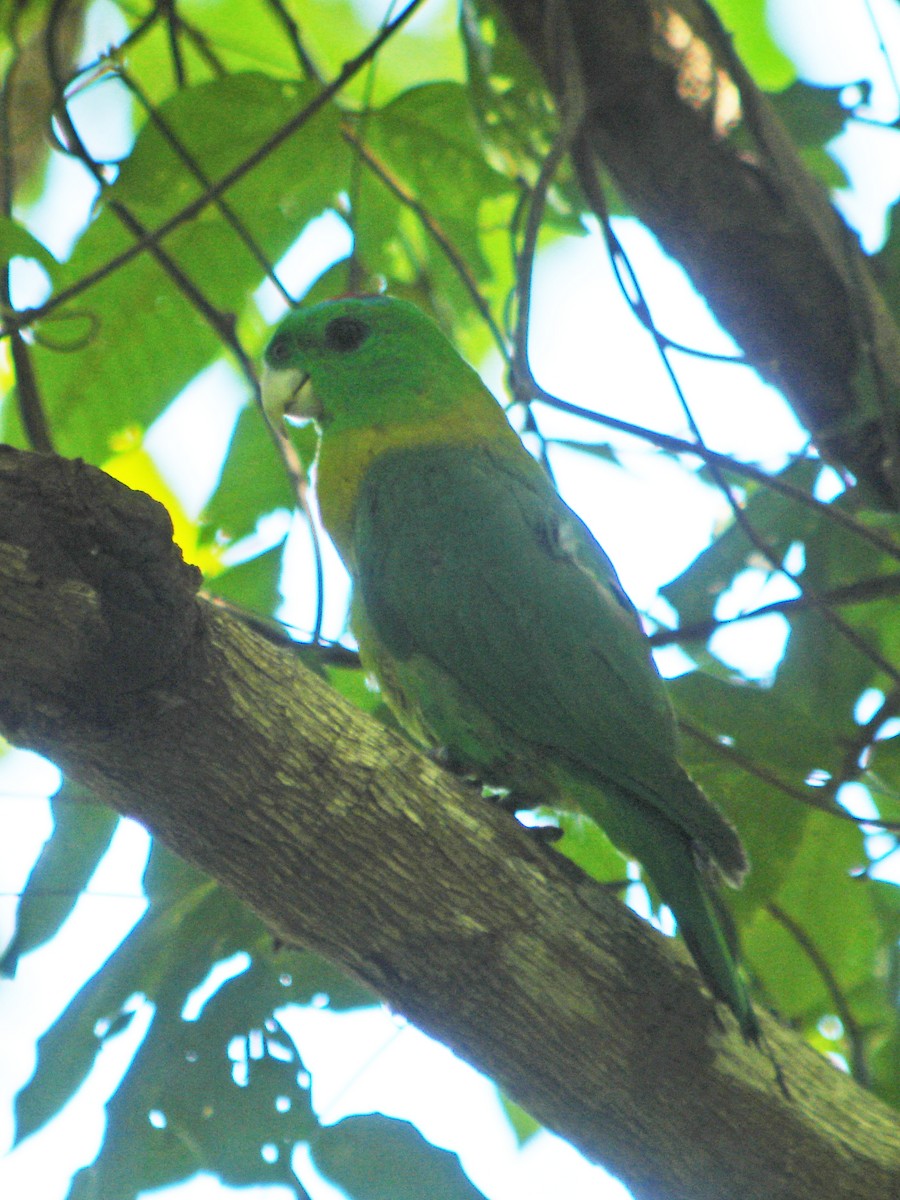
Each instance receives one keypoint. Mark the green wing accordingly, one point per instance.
(473, 561)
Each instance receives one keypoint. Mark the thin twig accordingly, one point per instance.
(858, 1066)
(172, 24)
(764, 775)
(434, 230)
(28, 397)
(558, 29)
(282, 633)
(572, 118)
(292, 31)
(200, 175)
(153, 237)
(354, 185)
(861, 592)
(678, 445)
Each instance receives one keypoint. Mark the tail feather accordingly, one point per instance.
(674, 862)
(712, 942)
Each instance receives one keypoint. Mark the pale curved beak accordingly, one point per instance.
(287, 394)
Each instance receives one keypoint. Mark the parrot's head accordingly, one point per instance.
(363, 360)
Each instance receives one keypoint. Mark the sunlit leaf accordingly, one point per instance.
(254, 583)
(17, 242)
(134, 467)
(766, 61)
(253, 480)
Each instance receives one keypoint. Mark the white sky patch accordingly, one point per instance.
(867, 705)
(45, 980)
(219, 974)
(365, 1061)
(870, 155)
(102, 115)
(324, 240)
(61, 213)
(298, 584)
(189, 440)
(754, 647)
(880, 844)
(29, 283)
(834, 42)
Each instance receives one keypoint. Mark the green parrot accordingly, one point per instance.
(492, 620)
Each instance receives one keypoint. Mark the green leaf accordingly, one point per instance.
(81, 835)
(517, 117)
(778, 520)
(824, 668)
(884, 1024)
(253, 481)
(254, 583)
(377, 1158)
(203, 1118)
(428, 138)
(134, 339)
(604, 451)
(882, 777)
(767, 63)
(17, 242)
(829, 918)
(885, 1078)
(738, 741)
(426, 51)
(586, 845)
(813, 115)
(351, 683)
(522, 1124)
(826, 169)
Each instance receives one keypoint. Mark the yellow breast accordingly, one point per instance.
(346, 455)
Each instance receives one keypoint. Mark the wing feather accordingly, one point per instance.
(476, 563)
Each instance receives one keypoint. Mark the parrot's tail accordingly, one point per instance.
(713, 944)
(677, 866)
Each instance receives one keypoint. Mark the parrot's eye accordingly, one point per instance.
(279, 351)
(345, 333)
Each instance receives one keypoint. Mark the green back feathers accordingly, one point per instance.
(479, 566)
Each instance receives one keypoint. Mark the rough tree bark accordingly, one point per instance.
(344, 839)
(663, 91)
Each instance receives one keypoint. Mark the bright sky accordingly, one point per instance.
(368, 1061)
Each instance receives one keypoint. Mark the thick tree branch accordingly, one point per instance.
(663, 94)
(345, 839)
